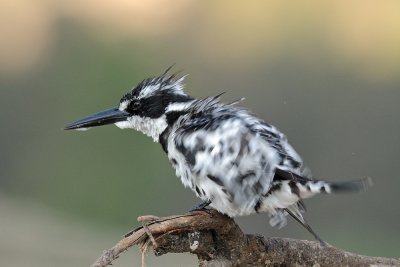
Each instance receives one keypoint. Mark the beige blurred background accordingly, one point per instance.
(325, 72)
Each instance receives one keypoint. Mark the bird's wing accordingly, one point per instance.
(223, 152)
(289, 158)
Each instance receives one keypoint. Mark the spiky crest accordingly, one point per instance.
(155, 84)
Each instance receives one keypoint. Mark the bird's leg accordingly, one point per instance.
(201, 206)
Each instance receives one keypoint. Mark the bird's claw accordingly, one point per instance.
(202, 207)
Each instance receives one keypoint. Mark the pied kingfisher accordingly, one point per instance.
(235, 162)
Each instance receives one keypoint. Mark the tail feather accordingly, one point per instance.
(315, 186)
(351, 186)
(286, 194)
(299, 218)
(306, 187)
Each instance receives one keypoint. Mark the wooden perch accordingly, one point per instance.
(218, 241)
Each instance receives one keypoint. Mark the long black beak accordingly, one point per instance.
(108, 116)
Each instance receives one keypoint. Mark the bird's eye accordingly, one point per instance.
(135, 105)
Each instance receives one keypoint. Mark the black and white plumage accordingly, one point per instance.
(232, 160)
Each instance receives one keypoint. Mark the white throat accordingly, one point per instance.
(148, 126)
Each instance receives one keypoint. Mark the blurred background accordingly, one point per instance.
(327, 73)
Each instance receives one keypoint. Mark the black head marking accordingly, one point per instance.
(158, 83)
(151, 97)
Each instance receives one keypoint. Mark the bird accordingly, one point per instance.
(235, 162)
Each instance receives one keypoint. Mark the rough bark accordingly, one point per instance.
(218, 241)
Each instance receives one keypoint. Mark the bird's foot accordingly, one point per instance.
(201, 206)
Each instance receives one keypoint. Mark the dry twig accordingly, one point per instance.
(218, 241)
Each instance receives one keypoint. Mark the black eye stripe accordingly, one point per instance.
(154, 106)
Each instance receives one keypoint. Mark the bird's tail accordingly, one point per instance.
(312, 187)
(291, 188)
(306, 187)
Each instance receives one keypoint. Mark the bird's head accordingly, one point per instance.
(149, 107)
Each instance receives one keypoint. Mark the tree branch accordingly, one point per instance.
(218, 241)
